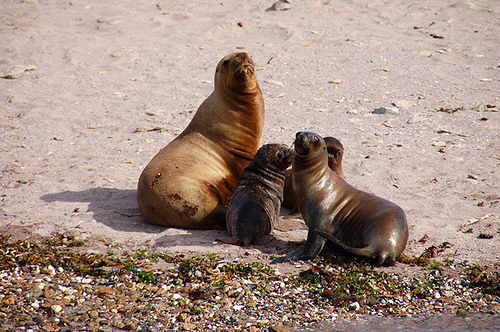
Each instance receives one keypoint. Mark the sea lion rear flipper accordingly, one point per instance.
(382, 258)
(365, 252)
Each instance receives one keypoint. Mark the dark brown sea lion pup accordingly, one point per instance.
(254, 206)
(187, 184)
(361, 223)
(335, 151)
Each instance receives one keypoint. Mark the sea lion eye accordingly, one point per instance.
(315, 140)
(279, 154)
(225, 63)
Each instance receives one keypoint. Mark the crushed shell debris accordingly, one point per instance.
(53, 286)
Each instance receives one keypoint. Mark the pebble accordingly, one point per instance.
(56, 308)
(386, 110)
(484, 108)
(281, 5)
(426, 53)
(439, 144)
(39, 285)
(415, 119)
(354, 306)
(280, 328)
(188, 326)
(9, 301)
(404, 103)
(50, 270)
(132, 326)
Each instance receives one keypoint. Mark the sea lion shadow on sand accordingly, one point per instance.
(215, 241)
(115, 208)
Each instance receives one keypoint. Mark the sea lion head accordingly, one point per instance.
(277, 157)
(335, 154)
(236, 72)
(309, 144)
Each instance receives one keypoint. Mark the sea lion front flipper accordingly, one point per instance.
(311, 249)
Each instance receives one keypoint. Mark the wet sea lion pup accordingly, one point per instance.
(335, 151)
(253, 208)
(361, 223)
(187, 184)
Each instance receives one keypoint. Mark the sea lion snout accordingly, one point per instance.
(287, 157)
(301, 142)
(283, 156)
(274, 156)
(243, 63)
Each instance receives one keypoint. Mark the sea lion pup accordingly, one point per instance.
(335, 154)
(187, 184)
(361, 223)
(254, 206)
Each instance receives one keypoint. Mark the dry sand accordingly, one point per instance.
(109, 83)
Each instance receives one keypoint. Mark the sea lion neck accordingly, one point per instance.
(315, 160)
(241, 96)
(317, 163)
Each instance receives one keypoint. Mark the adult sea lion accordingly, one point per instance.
(335, 151)
(254, 206)
(188, 182)
(359, 222)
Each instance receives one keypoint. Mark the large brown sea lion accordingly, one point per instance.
(254, 206)
(335, 151)
(187, 184)
(359, 222)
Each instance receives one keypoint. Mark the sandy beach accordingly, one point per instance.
(92, 90)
